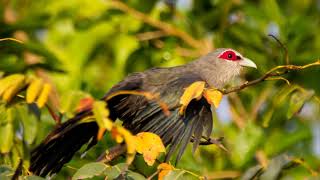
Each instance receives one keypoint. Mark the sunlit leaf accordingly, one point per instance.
(101, 114)
(297, 101)
(194, 91)
(6, 137)
(11, 86)
(34, 90)
(121, 134)
(44, 95)
(150, 146)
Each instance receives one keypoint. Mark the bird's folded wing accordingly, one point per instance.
(141, 115)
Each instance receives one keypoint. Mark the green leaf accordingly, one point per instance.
(245, 144)
(135, 176)
(275, 168)
(272, 10)
(252, 172)
(5, 169)
(29, 122)
(5, 172)
(3, 114)
(101, 114)
(297, 100)
(6, 137)
(34, 178)
(70, 101)
(123, 46)
(278, 101)
(280, 140)
(175, 175)
(114, 171)
(90, 170)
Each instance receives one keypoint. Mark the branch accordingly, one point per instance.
(57, 118)
(284, 47)
(274, 72)
(163, 26)
(112, 153)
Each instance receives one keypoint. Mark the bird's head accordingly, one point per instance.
(221, 65)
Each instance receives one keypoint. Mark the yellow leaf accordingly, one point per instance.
(213, 97)
(150, 146)
(101, 113)
(13, 85)
(164, 169)
(44, 95)
(194, 91)
(101, 132)
(119, 134)
(34, 90)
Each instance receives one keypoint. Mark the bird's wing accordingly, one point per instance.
(140, 115)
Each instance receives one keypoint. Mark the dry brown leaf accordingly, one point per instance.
(194, 91)
(150, 146)
(85, 104)
(213, 96)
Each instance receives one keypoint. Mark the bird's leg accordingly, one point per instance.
(209, 141)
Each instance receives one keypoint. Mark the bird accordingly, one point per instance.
(139, 114)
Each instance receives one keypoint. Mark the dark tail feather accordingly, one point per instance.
(61, 144)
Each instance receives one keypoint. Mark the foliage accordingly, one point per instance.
(66, 53)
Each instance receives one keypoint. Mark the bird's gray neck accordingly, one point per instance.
(216, 74)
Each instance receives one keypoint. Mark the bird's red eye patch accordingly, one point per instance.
(229, 55)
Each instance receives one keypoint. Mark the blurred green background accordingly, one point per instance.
(83, 47)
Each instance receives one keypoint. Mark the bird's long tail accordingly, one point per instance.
(61, 144)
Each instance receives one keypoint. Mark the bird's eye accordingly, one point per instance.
(229, 55)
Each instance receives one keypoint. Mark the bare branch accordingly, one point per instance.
(56, 117)
(112, 153)
(274, 72)
(284, 47)
(163, 26)
(151, 35)
(11, 39)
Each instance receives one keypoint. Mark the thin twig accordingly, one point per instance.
(56, 118)
(283, 46)
(271, 73)
(153, 175)
(11, 39)
(145, 36)
(165, 27)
